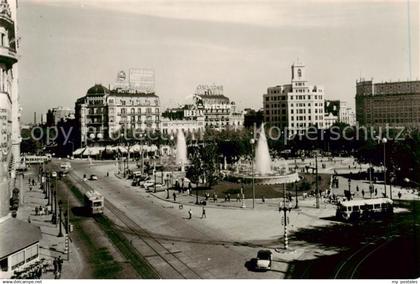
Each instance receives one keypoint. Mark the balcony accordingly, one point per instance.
(8, 55)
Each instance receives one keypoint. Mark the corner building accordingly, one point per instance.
(295, 106)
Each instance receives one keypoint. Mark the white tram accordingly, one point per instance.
(94, 202)
(364, 208)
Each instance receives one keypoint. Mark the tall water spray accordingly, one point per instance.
(262, 155)
(181, 149)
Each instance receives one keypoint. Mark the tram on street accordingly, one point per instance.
(364, 209)
(94, 202)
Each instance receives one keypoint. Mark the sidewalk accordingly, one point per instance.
(50, 245)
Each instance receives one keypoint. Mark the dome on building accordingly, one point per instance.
(98, 89)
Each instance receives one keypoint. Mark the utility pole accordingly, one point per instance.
(285, 207)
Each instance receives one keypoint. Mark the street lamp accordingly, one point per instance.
(60, 205)
(349, 182)
(252, 141)
(384, 141)
(286, 207)
(242, 194)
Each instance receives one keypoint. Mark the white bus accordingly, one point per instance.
(364, 208)
(94, 202)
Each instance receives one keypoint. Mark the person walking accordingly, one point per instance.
(363, 193)
(59, 264)
(36, 211)
(399, 194)
(55, 265)
(190, 214)
(174, 195)
(203, 213)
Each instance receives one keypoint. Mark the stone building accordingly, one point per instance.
(396, 104)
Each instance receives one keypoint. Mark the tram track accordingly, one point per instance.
(179, 268)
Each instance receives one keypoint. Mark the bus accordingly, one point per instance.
(364, 208)
(94, 202)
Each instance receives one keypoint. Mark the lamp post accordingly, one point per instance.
(349, 183)
(286, 207)
(242, 195)
(60, 205)
(252, 141)
(316, 180)
(54, 204)
(384, 141)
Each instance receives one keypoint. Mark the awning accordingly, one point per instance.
(78, 151)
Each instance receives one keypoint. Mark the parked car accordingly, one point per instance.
(93, 177)
(264, 259)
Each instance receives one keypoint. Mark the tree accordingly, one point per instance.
(209, 166)
(195, 170)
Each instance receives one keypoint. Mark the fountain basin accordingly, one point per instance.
(268, 179)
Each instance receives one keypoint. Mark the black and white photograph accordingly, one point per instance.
(209, 140)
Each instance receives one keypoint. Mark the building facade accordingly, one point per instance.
(102, 113)
(57, 114)
(19, 240)
(396, 104)
(295, 106)
(218, 111)
(172, 126)
(346, 114)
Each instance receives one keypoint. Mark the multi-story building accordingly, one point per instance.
(346, 114)
(104, 113)
(172, 126)
(342, 110)
(19, 241)
(297, 105)
(396, 104)
(218, 111)
(57, 114)
(329, 120)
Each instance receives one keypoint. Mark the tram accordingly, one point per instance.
(94, 202)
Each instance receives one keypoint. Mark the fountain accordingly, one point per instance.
(181, 150)
(265, 170)
(262, 155)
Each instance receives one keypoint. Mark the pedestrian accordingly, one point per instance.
(203, 213)
(36, 211)
(225, 198)
(263, 199)
(40, 210)
(357, 188)
(229, 197)
(174, 195)
(189, 214)
(30, 188)
(55, 265)
(363, 193)
(59, 264)
(29, 218)
(376, 191)
(215, 198)
(238, 198)
(399, 194)
(107, 174)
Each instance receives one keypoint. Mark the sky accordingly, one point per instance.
(66, 46)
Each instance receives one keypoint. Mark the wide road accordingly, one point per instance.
(175, 246)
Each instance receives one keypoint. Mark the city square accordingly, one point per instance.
(170, 141)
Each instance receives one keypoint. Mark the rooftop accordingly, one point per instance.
(16, 235)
